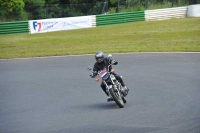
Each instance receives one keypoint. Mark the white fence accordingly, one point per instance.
(167, 13)
(94, 21)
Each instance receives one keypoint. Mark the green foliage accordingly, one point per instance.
(15, 6)
(52, 1)
(64, 1)
(112, 10)
(11, 10)
(34, 2)
(113, 2)
(35, 9)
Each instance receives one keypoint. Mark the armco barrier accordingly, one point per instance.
(108, 19)
(14, 27)
(118, 18)
(59, 24)
(167, 13)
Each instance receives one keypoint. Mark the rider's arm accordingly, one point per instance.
(93, 74)
(95, 71)
(111, 61)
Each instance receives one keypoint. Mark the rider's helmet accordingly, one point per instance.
(99, 56)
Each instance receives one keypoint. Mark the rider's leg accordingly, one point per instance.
(124, 88)
(119, 78)
(103, 86)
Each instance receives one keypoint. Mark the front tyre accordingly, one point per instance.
(117, 98)
(124, 100)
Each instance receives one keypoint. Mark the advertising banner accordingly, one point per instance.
(49, 25)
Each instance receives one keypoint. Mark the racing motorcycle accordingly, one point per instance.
(113, 86)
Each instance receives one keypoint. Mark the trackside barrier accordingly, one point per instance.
(167, 13)
(14, 27)
(193, 10)
(93, 21)
(58, 24)
(118, 18)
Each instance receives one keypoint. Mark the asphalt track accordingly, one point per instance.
(56, 95)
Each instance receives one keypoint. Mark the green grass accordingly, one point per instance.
(175, 35)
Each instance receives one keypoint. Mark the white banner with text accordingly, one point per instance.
(49, 25)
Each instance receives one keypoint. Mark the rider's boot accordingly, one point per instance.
(108, 94)
(124, 90)
(109, 97)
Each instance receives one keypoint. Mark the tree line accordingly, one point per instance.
(15, 10)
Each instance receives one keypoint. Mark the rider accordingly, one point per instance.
(101, 63)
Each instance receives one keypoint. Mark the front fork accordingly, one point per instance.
(107, 87)
(115, 87)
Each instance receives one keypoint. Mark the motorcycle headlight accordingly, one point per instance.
(112, 77)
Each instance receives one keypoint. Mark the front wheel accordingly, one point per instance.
(117, 98)
(124, 100)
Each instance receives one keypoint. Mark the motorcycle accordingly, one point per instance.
(113, 86)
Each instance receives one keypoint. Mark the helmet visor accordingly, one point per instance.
(99, 59)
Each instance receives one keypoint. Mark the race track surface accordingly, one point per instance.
(56, 95)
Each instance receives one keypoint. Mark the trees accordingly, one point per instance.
(71, 8)
(11, 10)
(34, 9)
(42, 9)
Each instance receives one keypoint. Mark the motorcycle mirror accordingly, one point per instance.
(109, 56)
(89, 68)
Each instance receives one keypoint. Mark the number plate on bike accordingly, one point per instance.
(102, 73)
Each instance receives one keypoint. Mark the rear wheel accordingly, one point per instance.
(117, 98)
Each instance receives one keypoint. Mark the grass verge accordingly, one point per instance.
(175, 35)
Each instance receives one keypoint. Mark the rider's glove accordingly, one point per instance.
(93, 74)
(114, 62)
